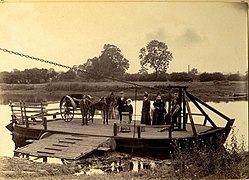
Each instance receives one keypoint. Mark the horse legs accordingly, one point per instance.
(107, 116)
(104, 112)
(82, 114)
(93, 112)
(84, 119)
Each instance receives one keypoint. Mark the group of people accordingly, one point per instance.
(159, 113)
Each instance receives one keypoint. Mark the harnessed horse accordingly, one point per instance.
(104, 104)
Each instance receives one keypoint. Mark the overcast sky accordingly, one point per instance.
(211, 37)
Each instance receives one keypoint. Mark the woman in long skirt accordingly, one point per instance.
(145, 119)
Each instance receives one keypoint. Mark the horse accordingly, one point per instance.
(104, 104)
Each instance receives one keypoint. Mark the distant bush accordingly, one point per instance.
(84, 87)
(73, 86)
(182, 76)
(211, 77)
(234, 77)
(131, 77)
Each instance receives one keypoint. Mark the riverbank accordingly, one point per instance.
(185, 166)
(207, 91)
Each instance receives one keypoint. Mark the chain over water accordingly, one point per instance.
(75, 68)
(39, 59)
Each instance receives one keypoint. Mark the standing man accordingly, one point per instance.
(121, 102)
(175, 109)
(145, 119)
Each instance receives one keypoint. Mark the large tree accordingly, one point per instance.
(156, 56)
(111, 63)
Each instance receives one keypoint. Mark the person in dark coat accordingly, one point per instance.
(145, 119)
(121, 102)
(175, 110)
(129, 108)
(159, 111)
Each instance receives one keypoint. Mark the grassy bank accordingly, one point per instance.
(207, 91)
(195, 165)
(231, 161)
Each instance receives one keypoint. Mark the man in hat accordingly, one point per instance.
(145, 119)
(121, 102)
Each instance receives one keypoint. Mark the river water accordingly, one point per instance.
(234, 109)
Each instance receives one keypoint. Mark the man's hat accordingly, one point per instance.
(145, 94)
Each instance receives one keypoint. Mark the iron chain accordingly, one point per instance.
(41, 60)
(71, 68)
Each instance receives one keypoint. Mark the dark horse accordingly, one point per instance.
(104, 104)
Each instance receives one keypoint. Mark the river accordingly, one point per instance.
(233, 109)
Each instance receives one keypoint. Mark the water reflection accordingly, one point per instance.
(132, 165)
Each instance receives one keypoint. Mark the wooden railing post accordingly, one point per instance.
(205, 121)
(45, 159)
(138, 131)
(184, 109)
(44, 119)
(191, 119)
(13, 116)
(45, 123)
(25, 115)
(115, 129)
(21, 106)
(179, 123)
(170, 132)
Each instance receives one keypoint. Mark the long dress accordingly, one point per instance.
(145, 119)
(159, 112)
(129, 108)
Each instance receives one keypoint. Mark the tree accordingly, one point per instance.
(156, 56)
(194, 71)
(234, 77)
(193, 74)
(245, 78)
(69, 75)
(216, 76)
(111, 63)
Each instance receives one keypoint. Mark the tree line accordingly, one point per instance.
(36, 76)
(111, 63)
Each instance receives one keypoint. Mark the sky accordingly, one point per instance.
(208, 36)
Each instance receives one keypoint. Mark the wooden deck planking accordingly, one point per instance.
(97, 128)
(63, 146)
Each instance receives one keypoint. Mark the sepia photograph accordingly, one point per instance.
(124, 89)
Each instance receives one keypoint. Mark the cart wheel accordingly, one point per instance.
(67, 110)
(44, 135)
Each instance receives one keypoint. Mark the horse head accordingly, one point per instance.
(111, 100)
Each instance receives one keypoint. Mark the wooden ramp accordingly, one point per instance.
(66, 146)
